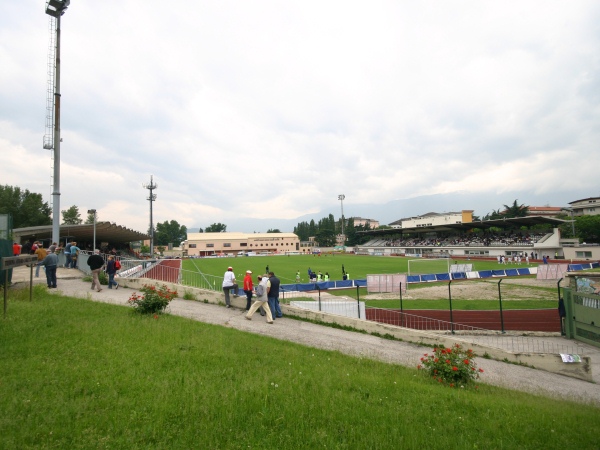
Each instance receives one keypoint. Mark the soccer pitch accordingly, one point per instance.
(285, 267)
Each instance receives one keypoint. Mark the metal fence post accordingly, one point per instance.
(358, 300)
(401, 308)
(319, 289)
(450, 300)
(501, 312)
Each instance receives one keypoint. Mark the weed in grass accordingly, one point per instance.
(188, 295)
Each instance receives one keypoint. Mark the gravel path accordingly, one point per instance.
(356, 344)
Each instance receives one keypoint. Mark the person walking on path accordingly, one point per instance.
(248, 289)
(273, 295)
(95, 262)
(111, 270)
(228, 285)
(16, 249)
(67, 251)
(261, 299)
(41, 255)
(50, 262)
(74, 254)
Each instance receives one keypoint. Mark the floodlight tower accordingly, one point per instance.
(151, 198)
(55, 9)
(341, 198)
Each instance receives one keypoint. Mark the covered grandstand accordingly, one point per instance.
(509, 237)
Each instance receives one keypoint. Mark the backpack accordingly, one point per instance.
(117, 265)
(260, 290)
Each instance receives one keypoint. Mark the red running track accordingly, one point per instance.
(166, 270)
(514, 320)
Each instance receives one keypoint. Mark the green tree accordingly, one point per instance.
(26, 208)
(170, 233)
(216, 228)
(587, 229)
(71, 216)
(276, 230)
(515, 210)
(90, 218)
(301, 230)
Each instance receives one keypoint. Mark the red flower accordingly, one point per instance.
(447, 361)
(455, 368)
(481, 370)
(466, 361)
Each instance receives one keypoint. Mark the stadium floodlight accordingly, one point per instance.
(93, 211)
(56, 8)
(341, 198)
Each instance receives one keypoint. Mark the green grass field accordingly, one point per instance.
(80, 374)
(285, 267)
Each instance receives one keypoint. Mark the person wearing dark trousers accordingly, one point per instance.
(229, 285)
(273, 296)
(248, 289)
(50, 262)
(111, 271)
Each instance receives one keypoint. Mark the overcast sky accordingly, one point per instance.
(270, 109)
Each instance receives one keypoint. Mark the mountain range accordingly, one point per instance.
(481, 203)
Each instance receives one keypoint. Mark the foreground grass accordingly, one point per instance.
(78, 374)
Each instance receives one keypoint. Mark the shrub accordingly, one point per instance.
(154, 301)
(452, 366)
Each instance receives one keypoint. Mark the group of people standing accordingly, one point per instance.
(266, 292)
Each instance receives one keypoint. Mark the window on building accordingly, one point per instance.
(192, 245)
(583, 254)
(226, 244)
(210, 245)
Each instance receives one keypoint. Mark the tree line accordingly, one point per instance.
(326, 230)
(28, 209)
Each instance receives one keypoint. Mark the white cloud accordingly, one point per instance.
(270, 109)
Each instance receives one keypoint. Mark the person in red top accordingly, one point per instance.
(16, 249)
(248, 289)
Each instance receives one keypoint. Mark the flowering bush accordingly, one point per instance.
(154, 300)
(453, 366)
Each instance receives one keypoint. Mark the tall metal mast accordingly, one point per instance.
(55, 9)
(151, 198)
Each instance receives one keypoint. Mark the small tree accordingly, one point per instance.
(71, 216)
(216, 228)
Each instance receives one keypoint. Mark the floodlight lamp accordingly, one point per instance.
(57, 8)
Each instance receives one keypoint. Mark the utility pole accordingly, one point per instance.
(151, 198)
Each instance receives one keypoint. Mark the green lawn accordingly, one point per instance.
(79, 374)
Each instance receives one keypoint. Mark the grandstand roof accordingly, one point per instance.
(105, 232)
(514, 222)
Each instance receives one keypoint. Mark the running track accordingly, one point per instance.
(514, 320)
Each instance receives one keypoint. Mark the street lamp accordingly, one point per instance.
(93, 211)
(341, 198)
(56, 8)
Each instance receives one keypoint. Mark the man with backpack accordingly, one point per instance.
(261, 299)
(111, 270)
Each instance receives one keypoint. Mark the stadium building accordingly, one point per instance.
(456, 235)
(233, 244)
